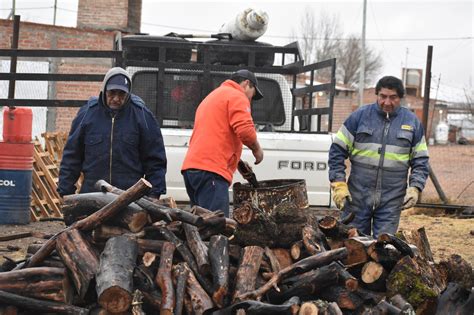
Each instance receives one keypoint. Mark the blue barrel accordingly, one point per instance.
(16, 166)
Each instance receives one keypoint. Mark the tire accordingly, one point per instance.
(134, 52)
(221, 56)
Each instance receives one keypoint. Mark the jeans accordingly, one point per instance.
(208, 190)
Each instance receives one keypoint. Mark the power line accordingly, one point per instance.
(37, 8)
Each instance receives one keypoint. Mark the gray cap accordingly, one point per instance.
(251, 77)
(118, 82)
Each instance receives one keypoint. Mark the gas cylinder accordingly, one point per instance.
(249, 24)
(17, 124)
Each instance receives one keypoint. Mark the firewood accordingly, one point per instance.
(199, 298)
(248, 269)
(344, 298)
(290, 307)
(301, 266)
(455, 300)
(219, 259)
(345, 278)
(16, 236)
(9, 310)
(197, 247)
(144, 278)
(221, 225)
(283, 256)
(331, 227)
(79, 206)
(245, 214)
(54, 262)
(114, 278)
(187, 257)
(307, 284)
(180, 276)
(145, 245)
(374, 276)
(39, 282)
(152, 300)
(314, 240)
(273, 260)
(405, 307)
(40, 305)
(79, 257)
(417, 281)
(163, 279)
(457, 270)
(386, 255)
(137, 303)
(103, 232)
(296, 250)
(369, 296)
(382, 308)
(308, 308)
(420, 240)
(357, 250)
(150, 259)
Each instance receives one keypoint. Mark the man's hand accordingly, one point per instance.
(340, 191)
(411, 197)
(256, 151)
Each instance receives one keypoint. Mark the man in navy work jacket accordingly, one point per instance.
(384, 142)
(116, 138)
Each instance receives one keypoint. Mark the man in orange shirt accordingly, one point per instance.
(222, 124)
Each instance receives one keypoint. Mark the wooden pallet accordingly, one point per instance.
(45, 201)
(54, 144)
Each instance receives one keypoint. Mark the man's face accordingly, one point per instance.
(115, 98)
(388, 100)
(249, 89)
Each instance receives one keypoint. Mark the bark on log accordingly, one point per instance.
(103, 232)
(382, 308)
(283, 256)
(40, 305)
(248, 270)
(344, 298)
(416, 280)
(200, 300)
(332, 228)
(345, 278)
(40, 282)
(219, 258)
(164, 281)
(314, 240)
(145, 245)
(455, 300)
(9, 310)
(274, 263)
(115, 275)
(290, 307)
(457, 270)
(296, 250)
(301, 266)
(420, 240)
(79, 206)
(357, 251)
(79, 257)
(198, 248)
(405, 307)
(180, 276)
(399, 244)
(387, 256)
(187, 257)
(374, 276)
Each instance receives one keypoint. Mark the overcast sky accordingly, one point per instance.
(393, 27)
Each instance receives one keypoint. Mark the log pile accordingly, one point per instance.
(124, 254)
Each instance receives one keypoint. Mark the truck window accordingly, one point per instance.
(184, 90)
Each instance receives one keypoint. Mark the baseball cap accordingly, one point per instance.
(251, 77)
(118, 82)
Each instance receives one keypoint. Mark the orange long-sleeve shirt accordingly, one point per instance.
(223, 123)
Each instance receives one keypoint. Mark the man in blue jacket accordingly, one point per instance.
(384, 142)
(116, 138)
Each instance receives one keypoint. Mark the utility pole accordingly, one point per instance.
(55, 10)
(405, 73)
(362, 58)
(12, 12)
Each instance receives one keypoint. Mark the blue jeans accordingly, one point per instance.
(208, 190)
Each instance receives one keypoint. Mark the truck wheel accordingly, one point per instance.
(225, 57)
(134, 51)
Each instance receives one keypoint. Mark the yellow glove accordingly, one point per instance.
(340, 192)
(411, 197)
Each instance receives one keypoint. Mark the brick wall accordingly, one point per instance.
(41, 36)
(124, 15)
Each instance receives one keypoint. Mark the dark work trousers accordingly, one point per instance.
(207, 190)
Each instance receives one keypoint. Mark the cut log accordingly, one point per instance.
(150, 259)
(283, 256)
(79, 206)
(219, 258)
(417, 281)
(40, 282)
(457, 270)
(314, 240)
(145, 245)
(40, 305)
(301, 266)
(296, 250)
(197, 247)
(399, 244)
(187, 257)
(332, 228)
(308, 308)
(385, 308)
(201, 302)
(180, 276)
(357, 250)
(290, 307)
(164, 281)
(274, 263)
(374, 276)
(115, 275)
(103, 232)
(405, 307)
(420, 240)
(79, 257)
(344, 298)
(346, 279)
(248, 270)
(387, 256)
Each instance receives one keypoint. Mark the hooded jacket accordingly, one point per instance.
(118, 146)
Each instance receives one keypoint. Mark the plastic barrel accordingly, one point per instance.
(17, 124)
(16, 165)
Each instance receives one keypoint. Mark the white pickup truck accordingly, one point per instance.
(172, 86)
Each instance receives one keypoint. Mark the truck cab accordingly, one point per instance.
(172, 75)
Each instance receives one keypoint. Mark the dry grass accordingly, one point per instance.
(447, 235)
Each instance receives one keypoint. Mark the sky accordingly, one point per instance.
(400, 30)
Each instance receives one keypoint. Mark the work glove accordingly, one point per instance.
(411, 197)
(340, 192)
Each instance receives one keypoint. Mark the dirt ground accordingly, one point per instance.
(447, 234)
